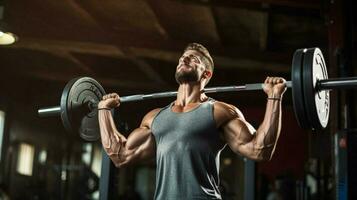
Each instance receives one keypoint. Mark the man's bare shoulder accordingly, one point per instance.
(226, 111)
(149, 117)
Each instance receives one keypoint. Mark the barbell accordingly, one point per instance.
(309, 83)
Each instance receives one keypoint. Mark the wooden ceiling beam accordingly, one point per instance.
(235, 58)
(100, 47)
(104, 81)
(144, 67)
(259, 4)
(287, 7)
(68, 46)
(220, 61)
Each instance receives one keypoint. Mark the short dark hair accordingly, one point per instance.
(208, 61)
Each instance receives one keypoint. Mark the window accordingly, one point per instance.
(25, 159)
(2, 126)
(42, 157)
(97, 160)
(96, 165)
(87, 153)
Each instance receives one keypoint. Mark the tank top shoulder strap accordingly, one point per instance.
(211, 100)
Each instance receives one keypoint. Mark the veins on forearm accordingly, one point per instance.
(268, 132)
(112, 140)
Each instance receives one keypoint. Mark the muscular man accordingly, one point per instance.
(188, 135)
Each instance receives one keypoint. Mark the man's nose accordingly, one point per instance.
(186, 59)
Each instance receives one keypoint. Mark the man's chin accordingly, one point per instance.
(186, 82)
(183, 76)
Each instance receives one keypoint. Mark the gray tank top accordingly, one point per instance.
(188, 147)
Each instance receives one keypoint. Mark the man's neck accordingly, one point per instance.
(189, 93)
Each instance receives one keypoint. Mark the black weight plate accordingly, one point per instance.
(297, 89)
(65, 113)
(75, 113)
(317, 102)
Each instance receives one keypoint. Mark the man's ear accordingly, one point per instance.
(208, 74)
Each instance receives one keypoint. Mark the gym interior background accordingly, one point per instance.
(133, 47)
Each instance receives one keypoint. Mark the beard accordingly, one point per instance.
(186, 76)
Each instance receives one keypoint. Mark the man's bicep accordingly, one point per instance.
(142, 134)
(139, 146)
(238, 134)
(146, 141)
(138, 137)
(147, 149)
(139, 153)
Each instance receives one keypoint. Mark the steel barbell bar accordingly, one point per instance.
(310, 85)
(55, 111)
(329, 84)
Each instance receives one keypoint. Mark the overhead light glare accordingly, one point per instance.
(7, 38)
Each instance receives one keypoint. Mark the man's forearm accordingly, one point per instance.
(111, 138)
(268, 132)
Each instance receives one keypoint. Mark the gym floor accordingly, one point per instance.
(133, 47)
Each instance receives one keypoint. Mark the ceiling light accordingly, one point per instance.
(7, 38)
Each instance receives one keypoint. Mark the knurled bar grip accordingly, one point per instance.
(246, 87)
